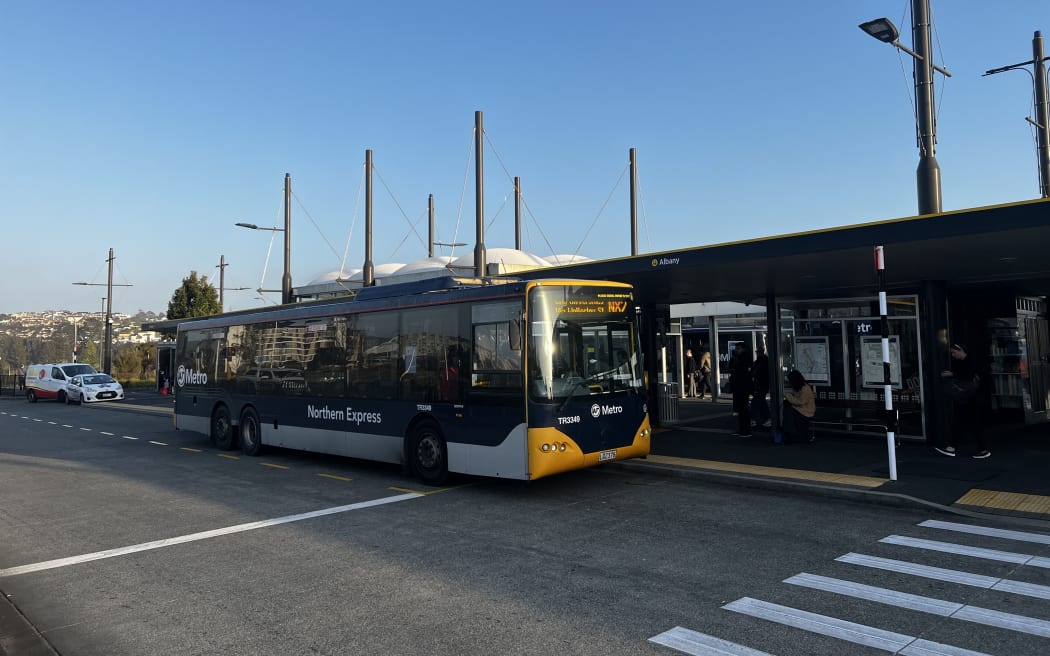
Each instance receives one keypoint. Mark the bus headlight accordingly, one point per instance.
(545, 447)
(562, 448)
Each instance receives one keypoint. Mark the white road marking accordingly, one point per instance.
(158, 443)
(203, 535)
(105, 433)
(128, 437)
(948, 575)
(859, 634)
(85, 429)
(701, 644)
(872, 593)
(1022, 536)
(923, 604)
(964, 550)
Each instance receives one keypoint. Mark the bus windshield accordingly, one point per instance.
(581, 341)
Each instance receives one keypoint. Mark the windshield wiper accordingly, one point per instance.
(572, 392)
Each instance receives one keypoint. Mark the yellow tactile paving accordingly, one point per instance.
(1029, 503)
(779, 472)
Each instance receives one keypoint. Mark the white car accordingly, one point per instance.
(92, 388)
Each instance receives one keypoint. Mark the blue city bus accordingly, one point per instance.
(504, 378)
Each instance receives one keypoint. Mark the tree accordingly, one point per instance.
(134, 362)
(195, 298)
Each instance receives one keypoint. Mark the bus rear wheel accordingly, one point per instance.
(222, 429)
(428, 453)
(250, 432)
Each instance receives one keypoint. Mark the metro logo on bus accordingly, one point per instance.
(598, 410)
(189, 376)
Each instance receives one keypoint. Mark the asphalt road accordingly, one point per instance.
(120, 535)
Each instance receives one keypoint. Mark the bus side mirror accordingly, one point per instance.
(514, 335)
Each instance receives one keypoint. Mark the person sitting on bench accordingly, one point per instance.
(799, 407)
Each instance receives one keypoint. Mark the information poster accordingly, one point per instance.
(871, 362)
(811, 359)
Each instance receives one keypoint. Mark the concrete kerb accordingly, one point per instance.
(857, 495)
(17, 635)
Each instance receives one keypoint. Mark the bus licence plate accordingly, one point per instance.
(607, 455)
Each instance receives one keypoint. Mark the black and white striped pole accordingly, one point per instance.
(887, 381)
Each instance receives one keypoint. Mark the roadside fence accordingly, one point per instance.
(11, 385)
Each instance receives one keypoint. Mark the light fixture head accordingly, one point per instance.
(882, 29)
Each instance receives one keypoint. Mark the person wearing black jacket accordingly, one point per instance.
(964, 385)
(690, 373)
(740, 383)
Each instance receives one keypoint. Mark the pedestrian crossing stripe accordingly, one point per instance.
(1006, 534)
(701, 644)
(965, 550)
(948, 575)
(858, 634)
(923, 604)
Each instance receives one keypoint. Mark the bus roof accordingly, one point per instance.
(422, 292)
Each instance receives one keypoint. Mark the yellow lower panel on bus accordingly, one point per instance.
(552, 451)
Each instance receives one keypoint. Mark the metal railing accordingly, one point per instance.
(11, 385)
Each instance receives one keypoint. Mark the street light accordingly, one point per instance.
(1042, 108)
(928, 174)
(286, 279)
(884, 30)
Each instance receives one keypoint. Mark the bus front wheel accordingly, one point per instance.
(222, 429)
(250, 432)
(428, 453)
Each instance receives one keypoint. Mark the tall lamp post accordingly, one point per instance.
(928, 174)
(106, 351)
(286, 279)
(1042, 109)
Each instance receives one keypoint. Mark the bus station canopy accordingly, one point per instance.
(999, 247)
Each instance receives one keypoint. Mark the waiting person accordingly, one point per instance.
(760, 415)
(22, 377)
(799, 407)
(964, 385)
(704, 386)
(740, 384)
(690, 373)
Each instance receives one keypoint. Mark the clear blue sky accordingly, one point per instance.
(152, 127)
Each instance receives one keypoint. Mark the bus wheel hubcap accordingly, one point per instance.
(428, 451)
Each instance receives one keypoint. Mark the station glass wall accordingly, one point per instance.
(837, 345)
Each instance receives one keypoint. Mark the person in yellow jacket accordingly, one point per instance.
(799, 407)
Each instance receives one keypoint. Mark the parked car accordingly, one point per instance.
(49, 381)
(92, 388)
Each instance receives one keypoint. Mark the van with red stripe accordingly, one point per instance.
(48, 381)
